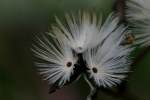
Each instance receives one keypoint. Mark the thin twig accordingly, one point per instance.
(93, 90)
(119, 8)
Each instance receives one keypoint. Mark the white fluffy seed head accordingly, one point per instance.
(138, 9)
(100, 44)
(109, 62)
(58, 59)
(138, 15)
(80, 31)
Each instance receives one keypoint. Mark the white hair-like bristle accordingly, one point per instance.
(84, 31)
(85, 37)
(109, 62)
(138, 9)
(138, 15)
(56, 54)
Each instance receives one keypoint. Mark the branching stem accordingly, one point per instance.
(93, 91)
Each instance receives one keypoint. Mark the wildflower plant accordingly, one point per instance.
(84, 45)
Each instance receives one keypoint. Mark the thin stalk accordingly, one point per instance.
(93, 90)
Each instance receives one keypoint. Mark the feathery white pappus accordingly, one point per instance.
(138, 9)
(84, 31)
(84, 37)
(109, 62)
(138, 15)
(59, 59)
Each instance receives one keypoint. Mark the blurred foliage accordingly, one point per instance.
(20, 20)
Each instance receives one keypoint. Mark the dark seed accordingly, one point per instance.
(69, 64)
(94, 70)
(80, 48)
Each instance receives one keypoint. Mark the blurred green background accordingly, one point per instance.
(20, 20)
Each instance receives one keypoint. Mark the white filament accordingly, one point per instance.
(138, 14)
(110, 59)
(56, 55)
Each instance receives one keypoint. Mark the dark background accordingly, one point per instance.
(20, 20)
